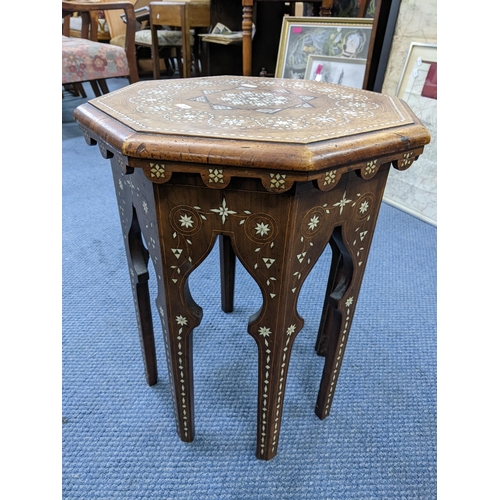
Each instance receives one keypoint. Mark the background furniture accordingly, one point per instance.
(251, 159)
(85, 59)
(189, 16)
(75, 26)
(325, 10)
(267, 16)
(172, 19)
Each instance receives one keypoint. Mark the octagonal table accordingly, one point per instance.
(278, 169)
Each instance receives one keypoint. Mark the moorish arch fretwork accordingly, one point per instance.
(277, 169)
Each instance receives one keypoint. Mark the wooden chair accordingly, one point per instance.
(85, 59)
(97, 22)
(190, 17)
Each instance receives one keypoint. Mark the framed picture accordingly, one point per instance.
(339, 70)
(415, 191)
(301, 37)
(419, 76)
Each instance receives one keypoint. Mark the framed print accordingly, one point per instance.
(347, 38)
(417, 192)
(419, 77)
(339, 70)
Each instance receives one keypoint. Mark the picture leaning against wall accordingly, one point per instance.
(416, 190)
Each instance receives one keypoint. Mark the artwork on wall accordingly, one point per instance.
(342, 71)
(419, 77)
(416, 193)
(301, 37)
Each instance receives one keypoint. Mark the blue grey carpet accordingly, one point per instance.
(119, 435)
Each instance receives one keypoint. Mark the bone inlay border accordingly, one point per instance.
(281, 110)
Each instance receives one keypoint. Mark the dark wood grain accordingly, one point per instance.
(276, 203)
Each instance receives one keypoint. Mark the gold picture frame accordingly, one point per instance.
(322, 36)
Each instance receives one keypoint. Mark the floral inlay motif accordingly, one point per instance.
(313, 222)
(277, 181)
(371, 166)
(407, 159)
(330, 177)
(262, 229)
(157, 170)
(342, 203)
(365, 204)
(264, 331)
(145, 207)
(223, 211)
(181, 320)
(186, 221)
(363, 207)
(216, 175)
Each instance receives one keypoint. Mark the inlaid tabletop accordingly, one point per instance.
(252, 123)
(262, 109)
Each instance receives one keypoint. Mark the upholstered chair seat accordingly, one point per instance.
(84, 60)
(166, 37)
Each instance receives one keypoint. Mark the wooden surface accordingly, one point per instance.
(181, 187)
(256, 122)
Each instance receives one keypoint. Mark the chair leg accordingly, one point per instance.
(104, 86)
(76, 89)
(169, 65)
(196, 60)
(180, 62)
(155, 53)
(81, 91)
(95, 88)
(186, 53)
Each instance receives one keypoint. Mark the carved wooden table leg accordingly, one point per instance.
(277, 170)
(131, 216)
(278, 239)
(361, 202)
